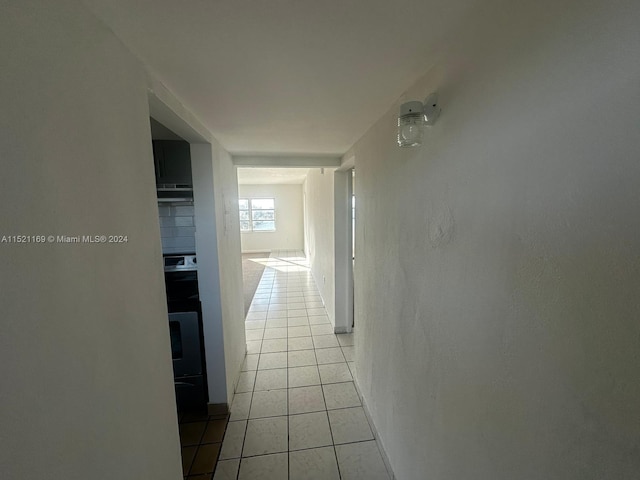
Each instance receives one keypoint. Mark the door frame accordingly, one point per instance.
(343, 242)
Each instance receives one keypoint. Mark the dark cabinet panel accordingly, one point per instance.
(158, 161)
(172, 161)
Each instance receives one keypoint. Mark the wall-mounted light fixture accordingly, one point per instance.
(413, 117)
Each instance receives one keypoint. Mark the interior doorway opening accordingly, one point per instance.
(271, 209)
(344, 215)
(353, 246)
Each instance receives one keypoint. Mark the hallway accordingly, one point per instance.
(296, 413)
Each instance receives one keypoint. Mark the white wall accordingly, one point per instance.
(289, 233)
(319, 192)
(231, 288)
(219, 269)
(84, 349)
(208, 268)
(497, 271)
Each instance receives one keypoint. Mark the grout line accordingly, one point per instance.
(335, 454)
(244, 438)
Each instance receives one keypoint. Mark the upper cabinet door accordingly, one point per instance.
(172, 160)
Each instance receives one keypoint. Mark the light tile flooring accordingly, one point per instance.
(296, 413)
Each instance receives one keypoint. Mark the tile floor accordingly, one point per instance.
(296, 413)
(201, 438)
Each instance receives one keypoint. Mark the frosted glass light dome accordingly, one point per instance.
(410, 124)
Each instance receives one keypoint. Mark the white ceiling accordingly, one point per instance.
(271, 176)
(284, 76)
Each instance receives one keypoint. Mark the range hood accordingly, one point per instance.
(175, 193)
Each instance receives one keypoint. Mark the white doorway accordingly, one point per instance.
(344, 247)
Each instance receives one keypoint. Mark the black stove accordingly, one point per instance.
(181, 282)
(185, 326)
(180, 263)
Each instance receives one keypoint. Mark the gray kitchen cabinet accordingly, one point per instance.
(172, 161)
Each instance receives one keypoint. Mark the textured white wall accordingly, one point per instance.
(318, 188)
(289, 226)
(497, 271)
(228, 230)
(208, 271)
(84, 349)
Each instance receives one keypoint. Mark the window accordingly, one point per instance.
(257, 214)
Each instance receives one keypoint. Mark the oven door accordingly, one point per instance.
(185, 344)
(181, 286)
(190, 393)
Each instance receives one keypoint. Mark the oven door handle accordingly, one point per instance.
(184, 384)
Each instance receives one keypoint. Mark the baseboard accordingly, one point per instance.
(340, 330)
(257, 251)
(217, 409)
(374, 430)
